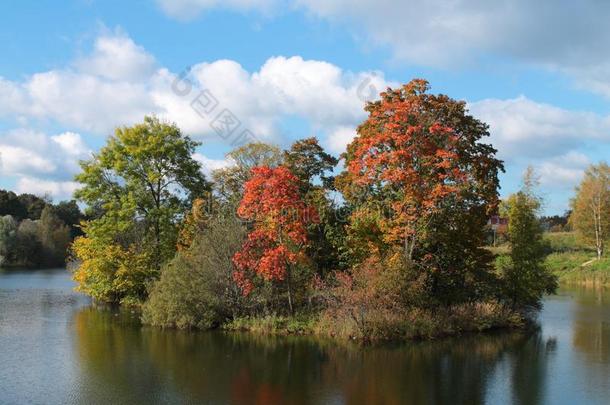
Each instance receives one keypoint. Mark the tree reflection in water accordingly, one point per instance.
(122, 362)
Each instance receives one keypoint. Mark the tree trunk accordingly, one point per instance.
(289, 283)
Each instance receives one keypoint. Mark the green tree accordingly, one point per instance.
(70, 214)
(11, 205)
(33, 205)
(308, 161)
(140, 184)
(8, 239)
(54, 238)
(525, 278)
(196, 288)
(591, 207)
(29, 249)
(229, 181)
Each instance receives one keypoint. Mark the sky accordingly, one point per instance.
(232, 71)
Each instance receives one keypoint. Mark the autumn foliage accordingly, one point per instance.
(410, 155)
(279, 218)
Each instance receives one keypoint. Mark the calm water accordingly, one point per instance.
(55, 348)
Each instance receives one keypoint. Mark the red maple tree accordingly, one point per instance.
(279, 216)
(413, 154)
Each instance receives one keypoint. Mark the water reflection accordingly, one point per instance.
(56, 348)
(147, 365)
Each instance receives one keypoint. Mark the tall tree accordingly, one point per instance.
(525, 277)
(417, 165)
(54, 238)
(591, 207)
(8, 239)
(229, 181)
(279, 218)
(308, 161)
(10, 204)
(140, 184)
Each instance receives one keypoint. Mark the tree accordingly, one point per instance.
(54, 238)
(279, 231)
(591, 207)
(196, 288)
(29, 249)
(70, 214)
(140, 185)
(8, 239)
(10, 204)
(33, 205)
(524, 275)
(419, 178)
(229, 181)
(308, 161)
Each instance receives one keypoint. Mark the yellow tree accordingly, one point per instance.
(591, 207)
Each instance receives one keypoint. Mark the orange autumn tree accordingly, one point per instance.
(279, 216)
(419, 181)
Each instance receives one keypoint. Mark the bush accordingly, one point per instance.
(196, 289)
(370, 302)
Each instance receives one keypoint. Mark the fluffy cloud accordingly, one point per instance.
(58, 190)
(563, 172)
(30, 153)
(119, 83)
(209, 165)
(340, 138)
(40, 163)
(522, 128)
(116, 57)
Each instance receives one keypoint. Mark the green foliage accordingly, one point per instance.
(137, 187)
(573, 261)
(229, 181)
(54, 238)
(308, 161)
(8, 238)
(71, 215)
(273, 324)
(196, 289)
(110, 271)
(591, 207)
(10, 204)
(525, 278)
(29, 248)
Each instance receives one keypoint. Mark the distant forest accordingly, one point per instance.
(34, 232)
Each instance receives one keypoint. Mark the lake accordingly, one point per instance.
(55, 348)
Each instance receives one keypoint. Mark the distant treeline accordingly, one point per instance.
(35, 232)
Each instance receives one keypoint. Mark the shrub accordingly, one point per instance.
(196, 289)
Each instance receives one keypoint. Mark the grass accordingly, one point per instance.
(414, 324)
(573, 262)
(300, 324)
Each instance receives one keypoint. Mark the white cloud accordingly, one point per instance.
(564, 171)
(522, 128)
(116, 57)
(30, 153)
(118, 83)
(42, 164)
(56, 189)
(209, 165)
(339, 139)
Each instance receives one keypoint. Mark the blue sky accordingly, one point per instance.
(71, 71)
